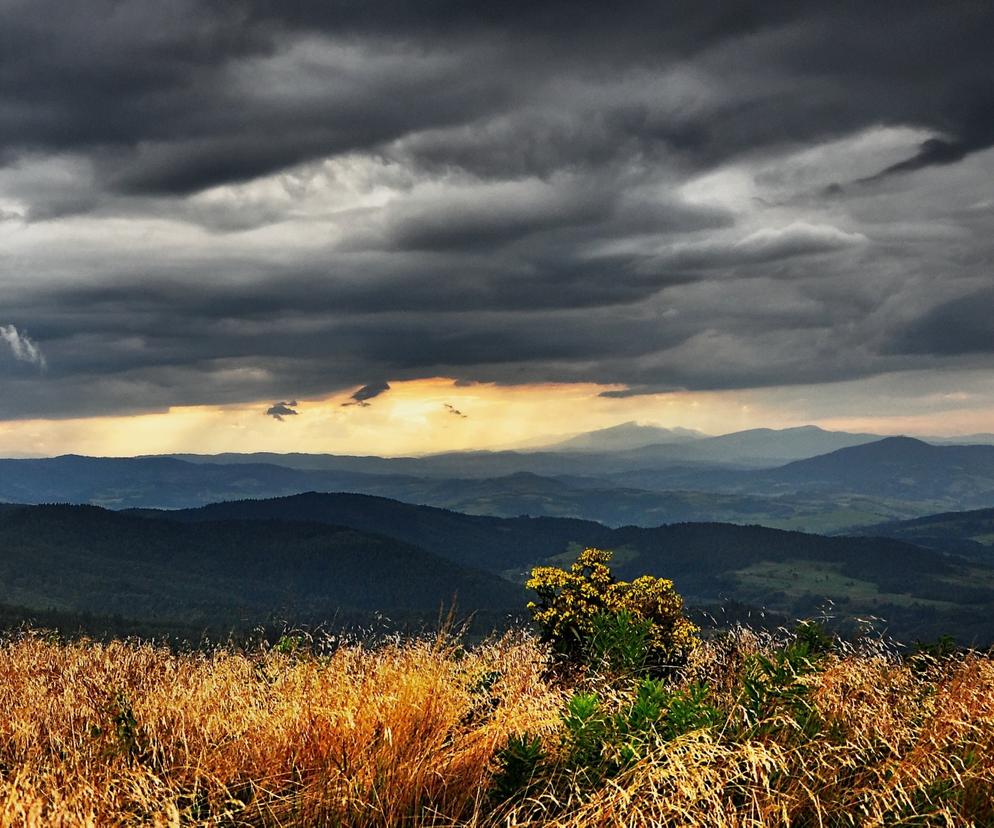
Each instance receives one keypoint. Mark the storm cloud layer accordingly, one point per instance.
(208, 203)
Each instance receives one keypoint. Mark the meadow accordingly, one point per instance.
(752, 730)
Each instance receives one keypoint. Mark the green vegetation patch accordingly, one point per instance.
(794, 579)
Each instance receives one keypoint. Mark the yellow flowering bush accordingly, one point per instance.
(572, 603)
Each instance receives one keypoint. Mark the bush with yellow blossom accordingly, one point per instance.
(575, 606)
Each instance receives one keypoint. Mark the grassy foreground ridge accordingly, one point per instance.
(753, 730)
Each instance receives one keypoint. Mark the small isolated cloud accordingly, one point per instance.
(279, 410)
(366, 393)
(453, 410)
(21, 346)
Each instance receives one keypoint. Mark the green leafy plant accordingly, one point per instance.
(773, 690)
(519, 766)
(815, 637)
(620, 643)
(587, 729)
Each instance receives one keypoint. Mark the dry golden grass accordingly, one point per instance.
(122, 734)
(407, 734)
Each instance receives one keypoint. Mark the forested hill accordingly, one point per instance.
(315, 557)
(694, 552)
(496, 544)
(969, 533)
(224, 573)
(918, 590)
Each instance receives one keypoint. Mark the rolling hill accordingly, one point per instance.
(968, 533)
(122, 482)
(894, 469)
(160, 482)
(227, 573)
(921, 592)
(900, 468)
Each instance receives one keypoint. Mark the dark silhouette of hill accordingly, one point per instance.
(491, 543)
(319, 556)
(229, 572)
(921, 591)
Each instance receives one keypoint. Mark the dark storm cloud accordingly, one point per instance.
(280, 410)
(174, 98)
(961, 326)
(503, 195)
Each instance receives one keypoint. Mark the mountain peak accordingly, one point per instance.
(626, 436)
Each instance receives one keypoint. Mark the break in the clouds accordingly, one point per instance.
(207, 203)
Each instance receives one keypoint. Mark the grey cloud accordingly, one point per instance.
(280, 410)
(527, 219)
(934, 151)
(488, 216)
(766, 245)
(175, 99)
(366, 393)
(960, 326)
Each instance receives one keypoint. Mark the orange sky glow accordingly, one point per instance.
(417, 417)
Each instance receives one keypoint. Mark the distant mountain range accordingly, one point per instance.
(621, 448)
(890, 479)
(762, 446)
(326, 557)
(894, 469)
(229, 542)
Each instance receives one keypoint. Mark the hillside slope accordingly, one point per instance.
(918, 590)
(223, 573)
(969, 533)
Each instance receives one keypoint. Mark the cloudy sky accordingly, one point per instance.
(402, 226)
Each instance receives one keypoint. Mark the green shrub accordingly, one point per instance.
(585, 611)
